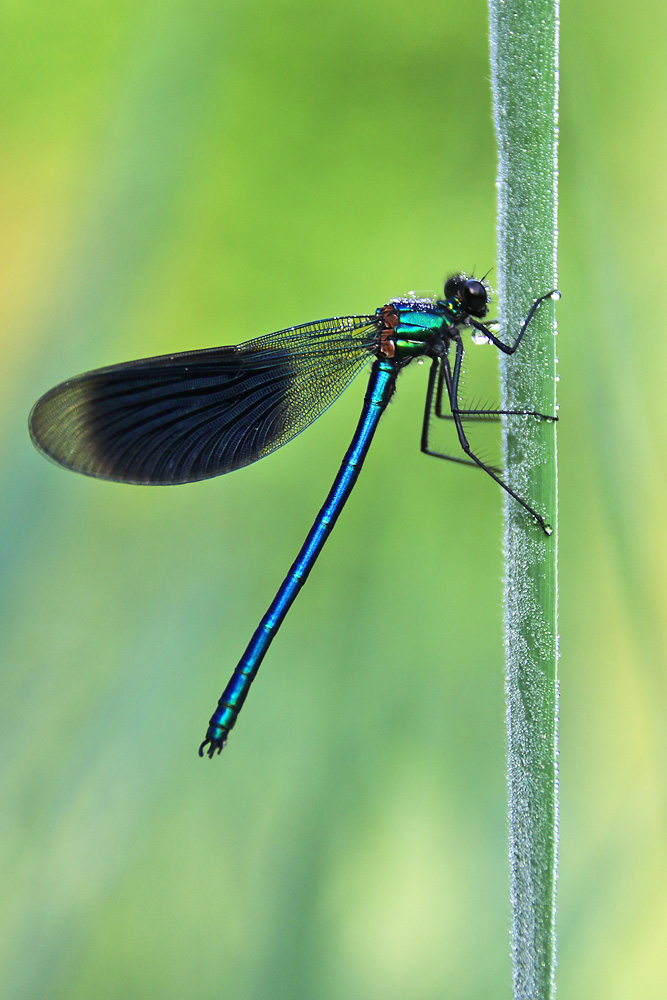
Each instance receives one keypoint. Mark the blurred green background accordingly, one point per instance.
(186, 174)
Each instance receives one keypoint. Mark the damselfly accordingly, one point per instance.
(185, 417)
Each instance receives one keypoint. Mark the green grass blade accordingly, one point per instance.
(524, 57)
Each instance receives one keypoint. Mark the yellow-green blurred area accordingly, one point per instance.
(187, 174)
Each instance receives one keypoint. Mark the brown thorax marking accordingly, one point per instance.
(389, 317)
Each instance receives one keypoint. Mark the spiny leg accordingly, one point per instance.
(481, 414)
(452, 382)
(444, 381)
(430, 410)
(433, 407)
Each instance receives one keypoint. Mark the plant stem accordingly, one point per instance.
(524, 60)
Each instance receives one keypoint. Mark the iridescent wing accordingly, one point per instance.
(184, 417)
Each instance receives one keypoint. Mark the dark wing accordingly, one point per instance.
(184, 417)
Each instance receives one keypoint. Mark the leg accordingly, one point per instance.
(444, 381)
(506, 348)
(452, 382)
(481, 414)
(436, 368)
(474, 414)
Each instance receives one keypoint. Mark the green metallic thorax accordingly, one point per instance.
(422, 324)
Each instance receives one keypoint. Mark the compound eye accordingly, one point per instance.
(454, 286)
(474, 297)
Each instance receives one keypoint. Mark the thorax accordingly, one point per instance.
(413, 327)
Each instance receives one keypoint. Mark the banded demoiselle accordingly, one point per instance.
(184, 417)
